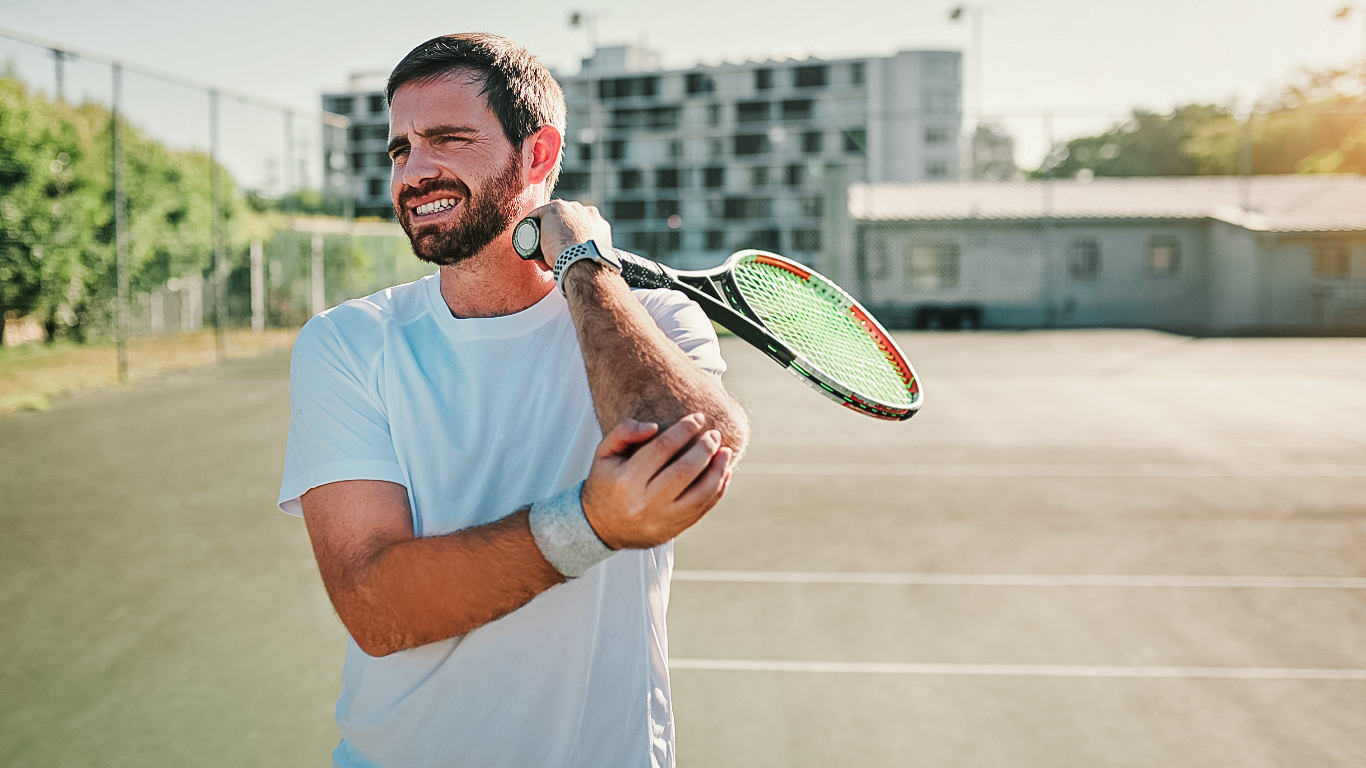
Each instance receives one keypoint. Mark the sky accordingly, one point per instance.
(1088, 61)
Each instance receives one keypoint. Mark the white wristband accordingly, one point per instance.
(564, 535)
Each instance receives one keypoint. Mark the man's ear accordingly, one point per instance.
(541, 153)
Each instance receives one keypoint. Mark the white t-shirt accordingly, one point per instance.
(478, 418)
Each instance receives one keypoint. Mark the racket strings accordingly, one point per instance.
(818, 324)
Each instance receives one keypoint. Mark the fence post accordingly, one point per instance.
(319, 300)
(120, 226)
(220, 256)
(258, 287)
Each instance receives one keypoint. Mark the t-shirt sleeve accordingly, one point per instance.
(338, 429)
(683, 321)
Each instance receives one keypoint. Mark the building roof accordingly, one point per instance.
(1303, 203)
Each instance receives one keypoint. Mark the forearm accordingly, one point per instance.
(634, 370)
(423, 590)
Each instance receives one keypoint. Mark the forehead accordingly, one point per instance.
(453, 98)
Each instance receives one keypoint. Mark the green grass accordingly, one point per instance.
(32, 374)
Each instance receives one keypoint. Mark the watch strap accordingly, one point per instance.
(585, 250)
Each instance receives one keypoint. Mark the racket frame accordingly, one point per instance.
(716, 291)
(720, 297)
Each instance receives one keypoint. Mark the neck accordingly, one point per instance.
(494, 282)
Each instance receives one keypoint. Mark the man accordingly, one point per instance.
(502, 567)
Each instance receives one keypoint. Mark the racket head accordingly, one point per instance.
(838, 348)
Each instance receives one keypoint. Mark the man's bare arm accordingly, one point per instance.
(634, 370)
(394, 591)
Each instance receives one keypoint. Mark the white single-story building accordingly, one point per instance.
(1208, 255)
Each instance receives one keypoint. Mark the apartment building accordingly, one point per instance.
(692, 164)
(357, 161)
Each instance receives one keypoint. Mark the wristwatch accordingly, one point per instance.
(585, 250)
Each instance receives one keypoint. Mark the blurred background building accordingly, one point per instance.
(1206, 256)
(690, 165)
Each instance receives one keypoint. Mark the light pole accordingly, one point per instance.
(974, 12)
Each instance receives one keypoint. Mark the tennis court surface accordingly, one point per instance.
(1095, 548)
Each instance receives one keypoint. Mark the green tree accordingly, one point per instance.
(56, 212)
(1317, 125)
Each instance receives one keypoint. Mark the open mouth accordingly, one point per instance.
(434, 208)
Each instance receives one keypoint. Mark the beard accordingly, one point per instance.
(486, 215)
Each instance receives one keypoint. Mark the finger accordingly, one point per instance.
(651, 457)
(684, 469)
(710, 486)
(624, 435)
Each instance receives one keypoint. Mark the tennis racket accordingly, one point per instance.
(802, 320)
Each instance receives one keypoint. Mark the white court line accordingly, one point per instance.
(822, 469)
(1016, 670)
(1021, 579)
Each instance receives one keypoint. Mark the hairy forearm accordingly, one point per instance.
(423, 590)
(634, 370)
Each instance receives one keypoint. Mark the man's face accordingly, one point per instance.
(457, 181)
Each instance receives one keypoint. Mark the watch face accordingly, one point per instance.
(610, 256)
(526, 238)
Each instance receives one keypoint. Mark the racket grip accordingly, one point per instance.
(640, 272)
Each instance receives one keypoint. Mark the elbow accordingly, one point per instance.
(735, 430)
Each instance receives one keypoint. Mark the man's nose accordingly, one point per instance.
(419, 168)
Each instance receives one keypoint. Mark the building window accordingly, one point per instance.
(376, 104)
(932, 267)
(937, 169)
(715, 148)
(796, 174)
(751, 144)
(714, 240)
(713, 178)
(810, 77)
(855, 139)
(763, 239)
(340, 105)
(938, 134)
(573, 181)
(649, 118)
(382, 160)
(811, 142)
(857, 73)
(631, 178)
(751, 112)
(1083, 259)
(698, 82)
(585, 152)
(375, 187)
(666, 178)
(758, 176)
(628, 210)
(616, 150)
(713, 114)
(747, 208)
(797, 109)
(357, 160)
(666, 208)
(1164, 256)
(812, 207)
(939, 102)
(806, 239)
(1332, 260)
(676, 148)
(763, 79)
(626, 87)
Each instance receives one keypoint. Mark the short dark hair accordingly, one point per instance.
(519, 89)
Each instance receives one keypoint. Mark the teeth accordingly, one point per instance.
(434, 206)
